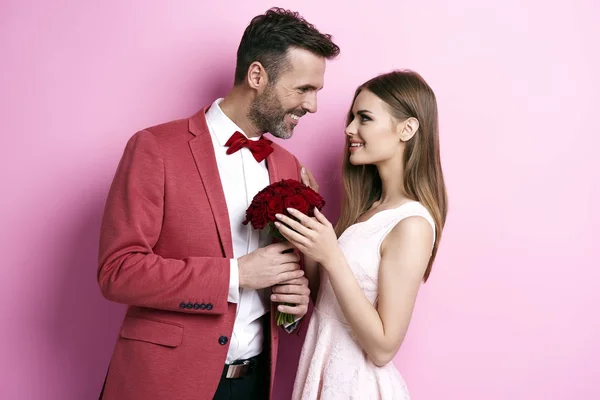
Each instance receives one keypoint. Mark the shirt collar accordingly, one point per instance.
(221, 125)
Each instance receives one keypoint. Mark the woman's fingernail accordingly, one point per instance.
(277, 224)
(273, 297)
(279, 216)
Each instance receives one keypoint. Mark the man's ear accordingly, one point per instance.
(257, 76)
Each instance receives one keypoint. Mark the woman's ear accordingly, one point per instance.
(408, 128)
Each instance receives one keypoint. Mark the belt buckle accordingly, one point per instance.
(238, 370)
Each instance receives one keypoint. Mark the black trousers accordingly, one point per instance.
(254, 386)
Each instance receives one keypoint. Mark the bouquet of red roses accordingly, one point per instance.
(276, 199)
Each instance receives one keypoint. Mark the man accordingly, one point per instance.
(200, 323)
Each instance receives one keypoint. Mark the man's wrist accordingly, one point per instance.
(234, 282)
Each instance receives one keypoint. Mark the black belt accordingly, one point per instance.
(240, 368)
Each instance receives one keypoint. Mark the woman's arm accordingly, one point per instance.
(405, 255)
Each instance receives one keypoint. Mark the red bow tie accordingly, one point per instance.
(260, 148)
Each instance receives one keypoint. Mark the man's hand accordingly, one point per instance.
(269, 266)
(309, 180)
(294, 292)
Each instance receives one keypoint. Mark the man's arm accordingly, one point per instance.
(129, 272)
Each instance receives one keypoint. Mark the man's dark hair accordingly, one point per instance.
(269, 37)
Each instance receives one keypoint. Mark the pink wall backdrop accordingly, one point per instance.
(511, 309)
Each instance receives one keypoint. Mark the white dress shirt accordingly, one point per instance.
(242, 178)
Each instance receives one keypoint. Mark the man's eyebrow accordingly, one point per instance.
(311, 87)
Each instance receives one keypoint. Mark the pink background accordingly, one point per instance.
(510, 311)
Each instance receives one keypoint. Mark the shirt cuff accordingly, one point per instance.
(234, 282)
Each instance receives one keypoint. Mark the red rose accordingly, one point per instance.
(259, 217)
(274, 206)
(298, 202)
(261, 196)
(248, 215)
(256, 215)
(294, 183)
(280, 195)
(283, 190)
(313, 198)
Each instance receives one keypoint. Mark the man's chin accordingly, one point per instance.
(284, 136)
(287, 135)
(283, 133)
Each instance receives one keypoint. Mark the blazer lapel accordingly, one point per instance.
(206, 163)
(272, 167)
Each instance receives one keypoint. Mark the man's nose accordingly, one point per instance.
(310, 104)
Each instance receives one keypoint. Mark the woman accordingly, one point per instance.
(367, 271)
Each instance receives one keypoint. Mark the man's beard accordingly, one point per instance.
(267, 114)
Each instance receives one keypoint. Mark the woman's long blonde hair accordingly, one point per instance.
(407, 95)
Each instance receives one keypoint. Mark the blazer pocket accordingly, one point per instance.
(157, 332)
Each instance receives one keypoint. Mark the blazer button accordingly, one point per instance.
(189, 305)
(209, 306)
(223, 340)
(196, 306)
(203, 306)
(182, 305)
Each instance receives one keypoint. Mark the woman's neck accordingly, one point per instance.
(392, 185)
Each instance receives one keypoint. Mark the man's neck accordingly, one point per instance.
(235, 106)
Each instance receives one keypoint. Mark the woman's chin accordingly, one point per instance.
(354, 160)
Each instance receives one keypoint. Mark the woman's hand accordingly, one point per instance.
(314, 237)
